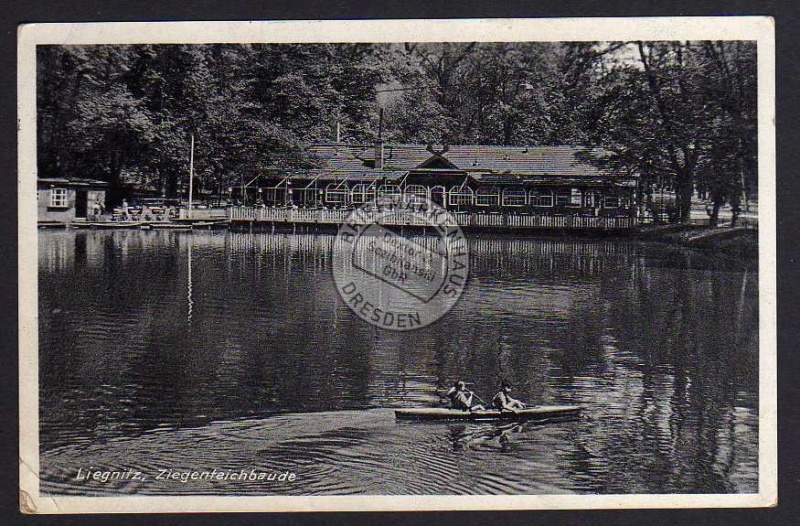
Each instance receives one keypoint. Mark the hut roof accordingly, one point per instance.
(71, 181)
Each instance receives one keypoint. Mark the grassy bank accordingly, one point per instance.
(738, 241)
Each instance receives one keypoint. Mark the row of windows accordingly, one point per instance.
(465, 196)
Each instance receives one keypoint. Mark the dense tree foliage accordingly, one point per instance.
(683, 114)
(114, 112)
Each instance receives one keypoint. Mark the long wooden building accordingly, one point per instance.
(546, 180)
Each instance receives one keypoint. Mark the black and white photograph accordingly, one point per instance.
(387, 265)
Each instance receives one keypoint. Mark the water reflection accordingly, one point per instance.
(189, 301)
(176, 330)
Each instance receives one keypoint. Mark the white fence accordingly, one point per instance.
(464, 219)
(204, 214)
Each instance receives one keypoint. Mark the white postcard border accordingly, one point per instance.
(760, 29)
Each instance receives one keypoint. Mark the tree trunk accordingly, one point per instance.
(736, 207)
(714, 219)
(738, 193)
(684, 189)
(508, 131)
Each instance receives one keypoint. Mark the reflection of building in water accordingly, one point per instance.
(57, 252)
(65, 250)
(306, 248)
(548, 258)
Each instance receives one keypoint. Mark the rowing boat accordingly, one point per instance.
(531, 413)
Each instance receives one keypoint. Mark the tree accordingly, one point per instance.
(489, 93)
(95, 125)
(125, 113)
(730, 86)
(681, 114)
(668, 111)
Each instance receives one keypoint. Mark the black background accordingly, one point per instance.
(788, 187)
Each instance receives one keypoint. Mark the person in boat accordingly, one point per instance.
(504, 401)
(463, 399)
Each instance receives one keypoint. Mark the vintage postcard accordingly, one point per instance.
(397, 265)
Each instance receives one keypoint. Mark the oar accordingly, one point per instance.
(479, 398)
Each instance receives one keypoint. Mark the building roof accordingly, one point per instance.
(362, 174)
(71, 181)
(561, 161)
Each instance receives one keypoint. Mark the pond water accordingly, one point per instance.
(232, 350)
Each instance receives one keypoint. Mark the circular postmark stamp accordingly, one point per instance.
(396, 282)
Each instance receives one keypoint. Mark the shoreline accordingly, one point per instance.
(741, 242)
